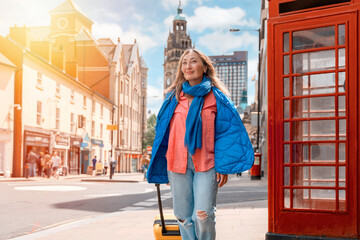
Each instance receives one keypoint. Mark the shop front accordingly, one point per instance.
(38, 141)
(61, 144)
(74, 155)
(84, 154)
(6, 153)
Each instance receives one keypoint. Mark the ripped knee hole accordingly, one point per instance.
(201, 215)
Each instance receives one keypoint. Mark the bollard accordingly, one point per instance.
(111, 169)
(27, 171)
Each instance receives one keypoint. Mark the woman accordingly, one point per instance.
(56, 164)
(199, 140)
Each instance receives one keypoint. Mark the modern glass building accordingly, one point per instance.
(233, 72)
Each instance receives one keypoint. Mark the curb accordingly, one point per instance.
(109, 180)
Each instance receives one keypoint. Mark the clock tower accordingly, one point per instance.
(178, 41)
(67, 20)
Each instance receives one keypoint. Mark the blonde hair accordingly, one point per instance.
(210, 73)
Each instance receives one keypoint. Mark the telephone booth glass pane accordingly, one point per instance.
(286, 87)
(314, 61)
(341, 34)
(314, 84)
(314, 176)
(286, 42)
(314, 38)
(286, 64)
(341, 57)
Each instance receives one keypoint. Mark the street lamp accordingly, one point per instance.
(258, 105)
(17, 106)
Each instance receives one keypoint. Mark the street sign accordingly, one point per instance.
(111, 127)
(149, 149)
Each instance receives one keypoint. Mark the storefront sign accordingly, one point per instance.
(62, 140)
(97, 142)
(37, 140)
(75, 142)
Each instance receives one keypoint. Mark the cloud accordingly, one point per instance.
(155, 97)
(31, 13)
(114, 31)
(221, 18)
(252, 70)
(221, 42)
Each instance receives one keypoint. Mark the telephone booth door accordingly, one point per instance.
(314, 127)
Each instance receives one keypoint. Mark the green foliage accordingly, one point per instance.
(150, 132)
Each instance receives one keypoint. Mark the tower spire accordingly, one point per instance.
(179, 10)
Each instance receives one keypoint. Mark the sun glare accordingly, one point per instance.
(25, 13)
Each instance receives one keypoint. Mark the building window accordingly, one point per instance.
(84, 102)
(93, 128)
(57, 93)
(39, 81)
(93, 107)
(72, 122)
(101, 130)
(126, 136)
(57, 121)
(101, 111)
(38, 113)
(72, 96)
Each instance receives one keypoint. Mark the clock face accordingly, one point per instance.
(62, 23)
(168, 81)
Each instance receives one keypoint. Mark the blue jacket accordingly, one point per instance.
(233, 149)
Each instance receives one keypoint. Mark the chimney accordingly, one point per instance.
(21, 35)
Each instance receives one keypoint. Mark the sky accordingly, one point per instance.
(149, 22)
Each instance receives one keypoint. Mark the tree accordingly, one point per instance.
(150, 132)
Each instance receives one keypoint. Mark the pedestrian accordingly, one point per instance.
(94, 160)
(145, 163)
(56, 163)
(48, 164)
(106, 165)
(41, 164)
(32, 159)
(199, 139)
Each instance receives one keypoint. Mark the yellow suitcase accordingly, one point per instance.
(166, 227)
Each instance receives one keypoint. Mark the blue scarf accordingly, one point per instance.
(193, 133)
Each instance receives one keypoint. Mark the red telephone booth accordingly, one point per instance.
(313, 86)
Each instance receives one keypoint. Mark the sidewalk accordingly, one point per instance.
(240, 223)
(118, 177)
(246, 221)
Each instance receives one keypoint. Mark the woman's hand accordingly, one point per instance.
(221, 179)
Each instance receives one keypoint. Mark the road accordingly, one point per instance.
(26, 207)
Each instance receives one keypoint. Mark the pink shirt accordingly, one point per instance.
(177, 153)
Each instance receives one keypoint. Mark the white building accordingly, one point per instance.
(58, 113)
(7, 75)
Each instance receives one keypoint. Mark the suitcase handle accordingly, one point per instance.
(160, 208)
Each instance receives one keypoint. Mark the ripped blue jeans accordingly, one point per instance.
(194, 202)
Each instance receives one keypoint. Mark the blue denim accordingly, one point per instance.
(194, 202)
(32, 169)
